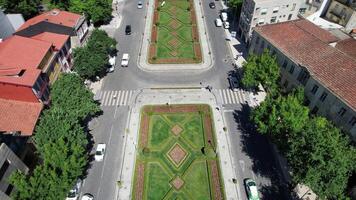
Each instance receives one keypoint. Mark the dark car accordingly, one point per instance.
(128, 30)
(212, 5)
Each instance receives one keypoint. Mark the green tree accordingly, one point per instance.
(70, 94)
(28, 8)
(99, 11)
(61, 4)
(235, 3)
(100, 41)
(321, 157)
(261, 69)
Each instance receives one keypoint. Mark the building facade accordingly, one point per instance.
(9, 162)
(307, 59)
(260, 12)
(342, 12)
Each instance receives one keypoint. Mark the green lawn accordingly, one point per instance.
(169, 132)
(174, 35)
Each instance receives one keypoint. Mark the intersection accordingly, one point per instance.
(252, 154)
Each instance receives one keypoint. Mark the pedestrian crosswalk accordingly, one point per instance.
(232, 97)
(115, 97)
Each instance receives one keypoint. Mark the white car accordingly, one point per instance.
(74, 192)
(218, 22)
(100, 152)
(234, 83)
(226, 25)
(139, 5)
(87, 196)
(223, 16)
(125, 60)
(112, 62)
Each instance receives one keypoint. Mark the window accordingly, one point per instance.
(293, 7)
(303, 76)
(352, 121)
(3, 168)
(315, 89)
(285, 84)
(257, 9)
(291, 70)
(285, 64)
(290, 16)
(323, 97)
(257, 40)
(341, 112)
(263, 11)
(262, 44)
(261, 22)
(315, 110)
(273, 19)
(302, 10)
(275, 9)
(9, 189)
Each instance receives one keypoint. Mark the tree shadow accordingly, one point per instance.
(264, 163)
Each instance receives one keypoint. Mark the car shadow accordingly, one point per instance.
(259, 149)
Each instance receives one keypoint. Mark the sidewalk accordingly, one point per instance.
(117, 6)
(207, 56)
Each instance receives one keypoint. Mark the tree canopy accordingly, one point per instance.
(60, 141)
(262, 69)
(28, 8)
(92, 59)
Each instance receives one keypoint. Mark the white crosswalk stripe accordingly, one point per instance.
(232, 97)
(116, 97)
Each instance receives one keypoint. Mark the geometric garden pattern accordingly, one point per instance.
(174, 35)
(176, 156)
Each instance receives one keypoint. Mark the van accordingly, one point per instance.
(218, 22)
(223, 16)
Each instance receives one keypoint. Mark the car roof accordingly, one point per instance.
(254, 191)
(125, 56)
(101, 145)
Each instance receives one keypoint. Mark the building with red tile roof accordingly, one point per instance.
(347, 46)
(19, 116)
(57, 40)
(307, 59)
(57, 21)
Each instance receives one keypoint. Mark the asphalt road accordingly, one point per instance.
(252, 153)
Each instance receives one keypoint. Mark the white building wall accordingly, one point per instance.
(260, 12)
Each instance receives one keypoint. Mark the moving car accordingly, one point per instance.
(74, 192)
(226, 25)
(251, 189)
(139, 5)
(234, 83)
(100, 152)
(212, 5)
(218, 22)
(112, 62)
(223, 16)
(125, 60)
(128, 30)
(87, 196)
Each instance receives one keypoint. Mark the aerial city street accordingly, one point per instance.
(177, 99)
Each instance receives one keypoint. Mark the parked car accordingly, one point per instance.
(218, 22)
(112, 62)
(128, 30)
(139, 5)
(226, 25)
(87, 196)
(223, 16)
(212, 5)
(125, 60)
(100, 152)
(74, 192)
(251, 189)
(234, 83)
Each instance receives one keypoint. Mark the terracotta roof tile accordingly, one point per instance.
(347, 46)
(54, 16)
(309, 47)
(57, 40)
(19, 116)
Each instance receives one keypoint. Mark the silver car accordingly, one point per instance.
(139, 5)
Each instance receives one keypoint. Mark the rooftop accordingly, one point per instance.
(54, 16)
(19, 116)
(307, 45)
(57, 40)
(347, 46)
